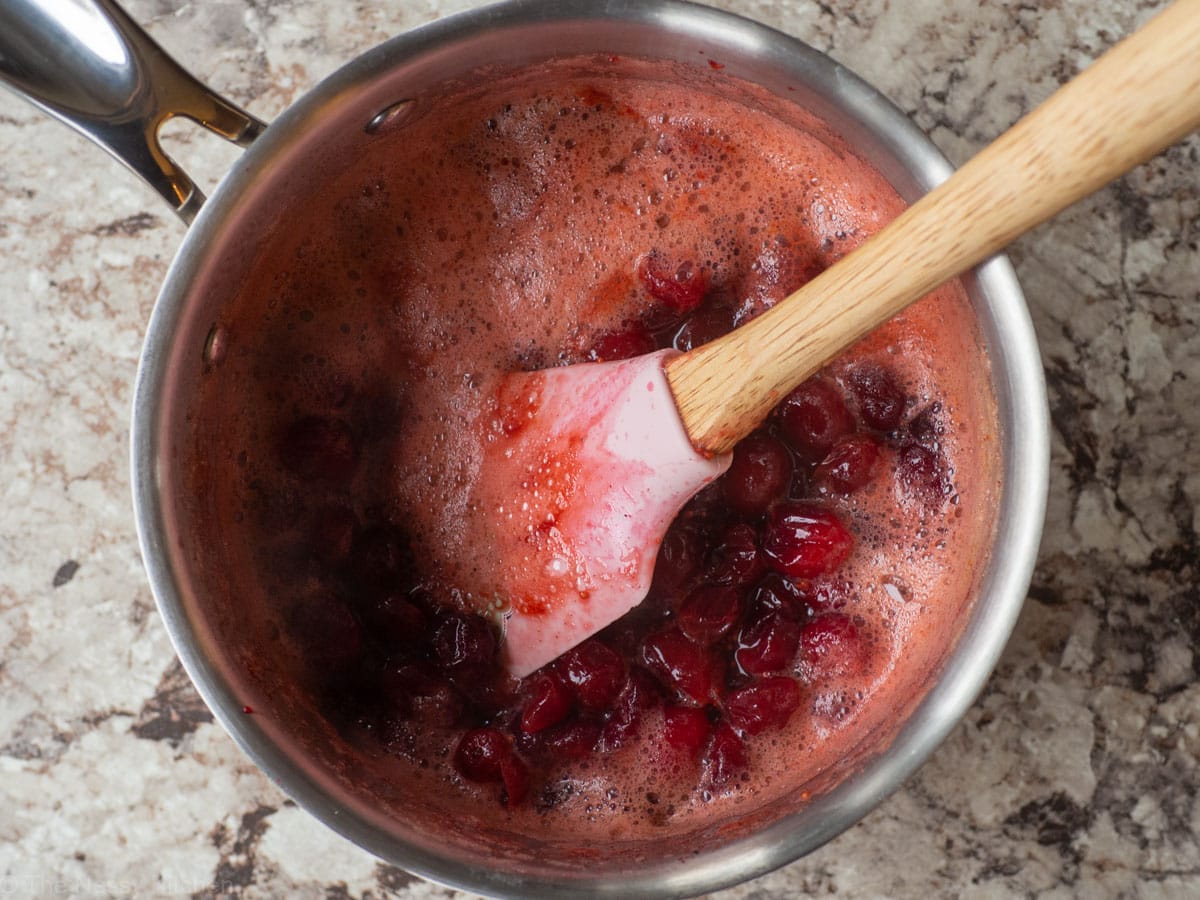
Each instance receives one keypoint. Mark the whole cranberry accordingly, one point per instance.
(479, 755)
(921, 472)
(880, 398)
(549, 703)
(804, 540)
(679, 663)
(849, 465)
(463, 642)
(595, 672)
(639, 695)
(679, 557)
(709, 612)
(760, 473)
(726, 757)
(813, 417)
(736, 559)
(767, 644)
(766, 704)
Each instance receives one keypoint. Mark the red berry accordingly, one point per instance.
(766, 704)
(778, 592)
(596, 673)
(849, 465)
(832, 645)
(633, 340)
(463, 643)
(480, 754)
(767, 644)
(804, 541)
(679, 664)
(920, 472)
(686, 728)
(813, 417)
(515, 775)
(679, 285)
(640, 694)
(760, 473)
(571, 740)
(549, 703)
(709, 612)
(880, 398)
(736, 559)
(319, 449)
(679, 557)
(726, 756)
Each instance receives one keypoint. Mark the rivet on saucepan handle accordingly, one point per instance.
(392, 117)
(87, 63)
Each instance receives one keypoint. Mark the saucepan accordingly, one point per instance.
(87, 63)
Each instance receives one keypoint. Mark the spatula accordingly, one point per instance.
(634, 440)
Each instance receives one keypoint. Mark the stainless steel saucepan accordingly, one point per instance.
(87, 63)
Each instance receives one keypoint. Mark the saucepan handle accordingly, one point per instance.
(88, 64)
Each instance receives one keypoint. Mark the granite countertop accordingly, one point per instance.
(1074, 774)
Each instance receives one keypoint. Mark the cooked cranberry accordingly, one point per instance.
(767, 644)
(329, 635)
(709, 612)
(849, 465)
(803, 540)
(679, 557)
(778, 592)
(706, 324)
(480, 755)
(727, 756)
(639, 695)
(880, 398)
(549, 703)
(768, 703)
(596, 673)
(379, 558)
(571, 740)
(813, 417)
(630, 341)
(332, 534)
(515, 775)
(736, 558)
(463, 642)
(679, 285)
(759, 474)
(319, 449)
(686, 728)
(920, 471)
(832, 645)
(679, 663)
(394, 621)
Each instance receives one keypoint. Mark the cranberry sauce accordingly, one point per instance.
(548, 219)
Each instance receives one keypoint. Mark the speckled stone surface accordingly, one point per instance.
(1076, 772)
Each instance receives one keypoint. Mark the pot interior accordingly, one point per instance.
(226, 613)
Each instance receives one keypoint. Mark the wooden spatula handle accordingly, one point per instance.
(1140, 97)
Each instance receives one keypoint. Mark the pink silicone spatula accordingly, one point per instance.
(639, 437)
